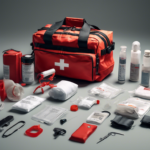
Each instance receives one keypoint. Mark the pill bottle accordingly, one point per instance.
(27, 68)
(145, 78)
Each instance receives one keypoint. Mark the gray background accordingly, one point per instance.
(129, 20)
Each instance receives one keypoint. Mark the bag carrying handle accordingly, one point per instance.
(83, 36)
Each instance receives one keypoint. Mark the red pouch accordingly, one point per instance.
(83, 132)
(12, 65)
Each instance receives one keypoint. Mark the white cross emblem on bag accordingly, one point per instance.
(61, 64)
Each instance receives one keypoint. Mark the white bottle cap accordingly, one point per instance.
(147, 53)
(123, 48)
(135, 46)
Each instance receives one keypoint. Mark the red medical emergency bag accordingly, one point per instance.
(75, 49)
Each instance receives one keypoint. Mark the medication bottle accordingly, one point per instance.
(122, 65)
(27, 69)
(135, 61)
(146, 69)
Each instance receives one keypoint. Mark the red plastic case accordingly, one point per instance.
(12, 65)
(83, 132)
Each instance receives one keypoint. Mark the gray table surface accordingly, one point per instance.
(19, 35)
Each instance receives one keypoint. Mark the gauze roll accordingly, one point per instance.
(64, 90)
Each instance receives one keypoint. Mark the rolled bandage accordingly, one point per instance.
(48, 72)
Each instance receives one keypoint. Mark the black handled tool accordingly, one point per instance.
(109, 134)
(58, 131)
(5, 122)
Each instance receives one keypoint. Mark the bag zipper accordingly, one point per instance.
(97, 33)
(75, 54)
(75, 29)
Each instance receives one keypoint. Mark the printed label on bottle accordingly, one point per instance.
(28, 73)
(121, 72)
(134, 72)
(145, 78)
(6, 72)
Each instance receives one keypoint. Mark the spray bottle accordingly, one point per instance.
(146, 69)
(122, 64)
(135, 61)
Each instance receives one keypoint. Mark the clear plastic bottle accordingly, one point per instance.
(145, 78)
(135, 61)
(122, 65)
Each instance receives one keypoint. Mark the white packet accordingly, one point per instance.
(86, 102)
(97, 117)
(49, 114)
(142, 92)
(105, 91)
(28, 103)
(64, 90)
(133, 107)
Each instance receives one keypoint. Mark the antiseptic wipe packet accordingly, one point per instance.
(28, 103)
(105, 91)
(142, 92)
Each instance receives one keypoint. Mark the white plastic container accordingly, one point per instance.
(122, 65)
(135, 61)
(146, 69)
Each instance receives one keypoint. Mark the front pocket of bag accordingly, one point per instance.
(78, 66)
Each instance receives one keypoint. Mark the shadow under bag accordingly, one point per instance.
(75, 49)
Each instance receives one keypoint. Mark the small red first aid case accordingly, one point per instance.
(83, 132)
(12, 65)
(75, 49)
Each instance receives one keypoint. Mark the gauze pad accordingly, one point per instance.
(133, 107)
(105, 91)
(49, 114)
(64, 90)
(28, 103)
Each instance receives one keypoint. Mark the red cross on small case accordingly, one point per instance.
(83, 132)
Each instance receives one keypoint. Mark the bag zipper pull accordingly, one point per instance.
(97, 63)
(68, 28)
(73, 28)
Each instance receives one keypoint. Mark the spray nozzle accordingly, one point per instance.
(135, 46)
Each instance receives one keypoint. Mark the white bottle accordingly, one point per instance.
(146, 69)
(122, 65)
(135, 61)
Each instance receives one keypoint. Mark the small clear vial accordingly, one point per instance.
(122, 65)
(145, 78)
